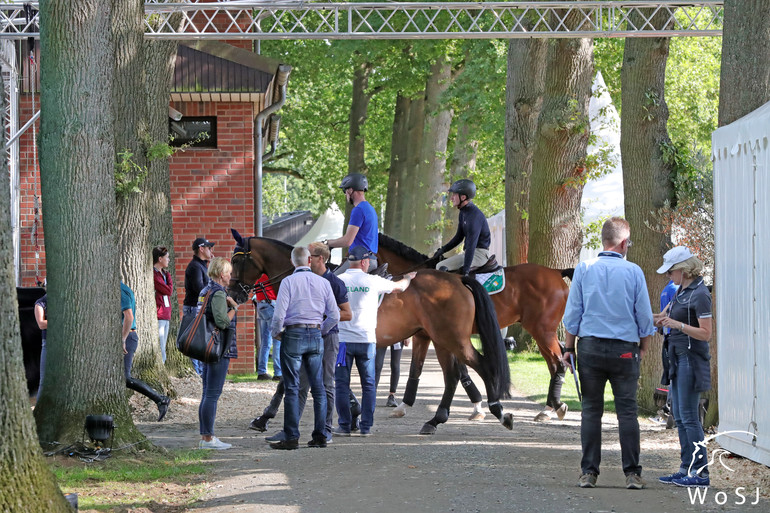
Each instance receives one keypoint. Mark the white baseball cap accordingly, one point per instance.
(674, 256)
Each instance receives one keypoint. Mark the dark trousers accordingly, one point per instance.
(616, 361)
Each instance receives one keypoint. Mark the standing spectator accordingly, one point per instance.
(41, 316)
(298, 322)
(264, 298)
(688, 317)
(130, 343)
(195, 278)
(358, 335)
(609, 310)
(164, 287)
(363, 225)
(221, 310)
(319, 254)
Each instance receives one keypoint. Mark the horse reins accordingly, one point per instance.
(246, 288)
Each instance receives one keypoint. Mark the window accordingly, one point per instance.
(194, 131)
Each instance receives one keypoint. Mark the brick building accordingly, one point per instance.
(218, 88)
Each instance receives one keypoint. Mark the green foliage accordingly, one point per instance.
(128, 174)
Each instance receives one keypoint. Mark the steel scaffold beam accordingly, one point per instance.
(289, 19)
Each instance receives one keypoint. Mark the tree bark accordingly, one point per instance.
(85, 375)
(432, 165)
(398, 169)
(160, 58)
(411, 192)
(555, 225)
(26, 482)
(646, 177)
(358, 113)
(462, 165)
(132, 133)
(524, 90)
(745, 76)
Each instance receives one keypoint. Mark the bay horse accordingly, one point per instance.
(432, 298)
(534, 295)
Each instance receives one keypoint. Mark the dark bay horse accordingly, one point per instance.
(534, 295)
(424, 307)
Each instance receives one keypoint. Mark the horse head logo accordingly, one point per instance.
(700, 457)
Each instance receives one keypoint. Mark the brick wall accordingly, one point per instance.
(212, 191)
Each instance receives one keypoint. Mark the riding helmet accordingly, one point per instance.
(356, 181)
(464, 187)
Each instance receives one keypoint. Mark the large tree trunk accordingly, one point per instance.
(85, 374)
(411, 191)
(160, 57)
(132, 134)
(524, 89)
(432, 167)
(646, 177)
(398, 169)
(744, 83)
(555, 226)
(462, 165)
(359, 108)
(26, 482)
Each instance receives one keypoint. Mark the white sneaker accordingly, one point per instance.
(214, 443)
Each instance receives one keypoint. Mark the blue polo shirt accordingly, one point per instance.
(127, 300)
(364, 216)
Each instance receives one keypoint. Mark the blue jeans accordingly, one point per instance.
(303, 346)
(197, 364)
(163, 327)
(685, 402)
(364, 355)
(601, 360)
(214, 375)
(265, 314)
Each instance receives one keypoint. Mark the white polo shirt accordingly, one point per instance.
(363, 292)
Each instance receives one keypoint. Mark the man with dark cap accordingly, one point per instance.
(195, 278)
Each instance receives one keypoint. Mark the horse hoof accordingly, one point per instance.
(508, 420)
(562, 411)
(477, 415)
(543, 416)
(428, 429)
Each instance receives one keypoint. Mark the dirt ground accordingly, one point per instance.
(466, 467)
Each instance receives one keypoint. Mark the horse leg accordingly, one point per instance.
(473, 393)
(550, 348)
(451, 376)
(420, 344)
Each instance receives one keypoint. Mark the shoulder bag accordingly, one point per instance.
(199, 337)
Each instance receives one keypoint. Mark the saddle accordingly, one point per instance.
(490, 266)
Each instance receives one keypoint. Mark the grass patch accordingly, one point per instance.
(530, 376)
(172, 479)
(252, 377)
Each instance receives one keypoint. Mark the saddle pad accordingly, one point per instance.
(492, 282)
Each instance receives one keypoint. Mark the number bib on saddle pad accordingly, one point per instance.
(492, 282)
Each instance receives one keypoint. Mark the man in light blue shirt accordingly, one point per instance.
(304, 298)
(609, 310)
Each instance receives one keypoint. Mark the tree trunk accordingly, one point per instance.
(646, 177)
(132, 133)
(462, 165)
(744, 84)
(524, 89)
(398, 172)
(77, 172)
(555, 226)
(160, 58)
(26, 482)
(358, 113)
(412, 190)
(432, 166)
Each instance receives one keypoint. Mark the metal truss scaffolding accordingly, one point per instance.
(289, 19)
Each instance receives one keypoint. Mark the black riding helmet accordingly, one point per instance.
(356, 181)
(464, 187)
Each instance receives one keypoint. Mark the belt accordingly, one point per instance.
(309, 326)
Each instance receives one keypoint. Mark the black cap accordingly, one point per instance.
(359, 253)
(200, 241)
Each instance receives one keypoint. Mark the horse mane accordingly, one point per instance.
(278, 243)
(401, 249)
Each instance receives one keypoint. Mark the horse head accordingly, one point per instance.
(253, 257)
(700, 458)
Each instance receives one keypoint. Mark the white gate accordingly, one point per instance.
(741, 155)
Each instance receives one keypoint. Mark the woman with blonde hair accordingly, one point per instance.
(688, 315)
(221, 309)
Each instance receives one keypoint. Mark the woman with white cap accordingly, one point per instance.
(688, 315)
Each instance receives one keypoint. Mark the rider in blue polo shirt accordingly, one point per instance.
(363, 227)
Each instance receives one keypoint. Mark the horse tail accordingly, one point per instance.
(494, 359)
(567, 273)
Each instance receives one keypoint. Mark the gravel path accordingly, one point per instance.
(466, 467)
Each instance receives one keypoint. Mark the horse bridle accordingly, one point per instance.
(247, 288)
